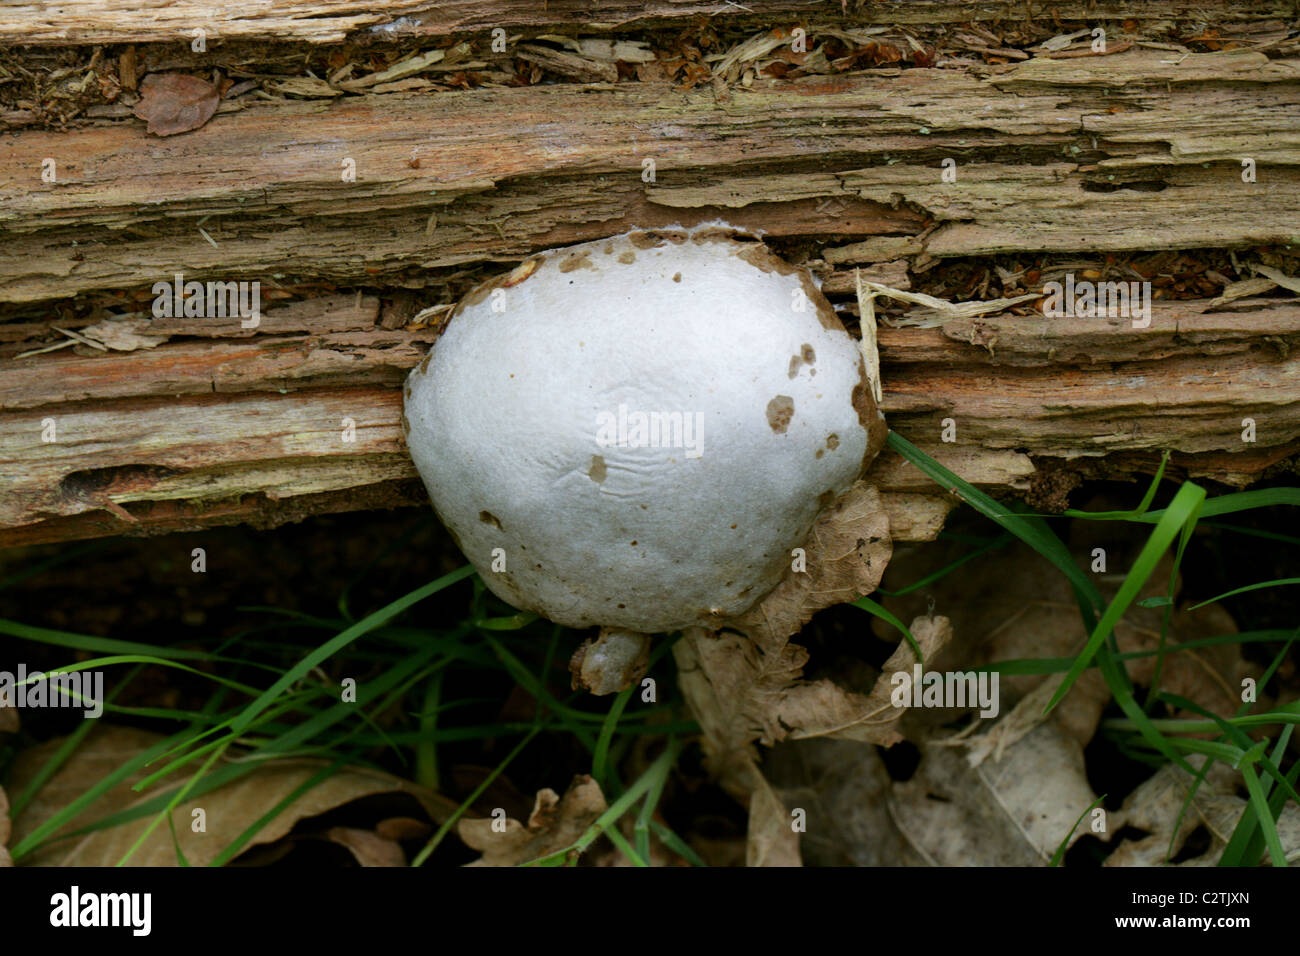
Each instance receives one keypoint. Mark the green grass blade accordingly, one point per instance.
(336, 644)
(878, 611)
(95, 645)
(1263, 816)
(1249, 587)
(599, 768)
(1059, 855)
(1180, 511)
(613, 814)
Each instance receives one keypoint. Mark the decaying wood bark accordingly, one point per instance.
(209, 423)
(847, 156)
(327, 21)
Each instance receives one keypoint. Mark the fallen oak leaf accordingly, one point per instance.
(1154, 807)
(846, 556)
(228, 810)
(772, 841)
(555, 823)
(174, 103)
(367, 847)
(1004, 608)
(735, 682)
(824, 709)
(738, 683)
(402, 828)
(841, 786)
(1012, 812)
(733, 687)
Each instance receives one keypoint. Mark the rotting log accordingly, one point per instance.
(197, 432)
(327, 21)
(1060, 160)
(1130, 155)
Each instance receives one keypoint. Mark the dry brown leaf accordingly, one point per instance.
(176, 102)
(745, 687)
(555, 823)
(660, 855)
(733, 688)
(772, 839)
(846, 557)
(734, 683)
(1013, 812)
(742, 687)
(824, 709)
(1028, 713)
(841, 785)
(368, 847)
(1154, 807)
(1010, 605)
(402, 828)
(228, 810)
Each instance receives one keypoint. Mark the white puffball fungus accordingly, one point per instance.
(636, 432)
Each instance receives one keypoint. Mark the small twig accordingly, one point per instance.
(80, 338)
(48, 348)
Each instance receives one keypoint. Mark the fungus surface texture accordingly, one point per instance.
(636, 432)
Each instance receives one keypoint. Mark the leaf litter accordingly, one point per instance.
(227, 811)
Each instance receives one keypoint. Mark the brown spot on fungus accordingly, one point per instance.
(703, 234)
(809, 356)
(863, 403)
(627, 258)
(832, 441)
(488, 517)
(645, 240)
(759, 256)
(677, 277)
(795, 362)
(577, 261)
(597, 470)
(779, 412)
(820, 452)
(869, 417)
